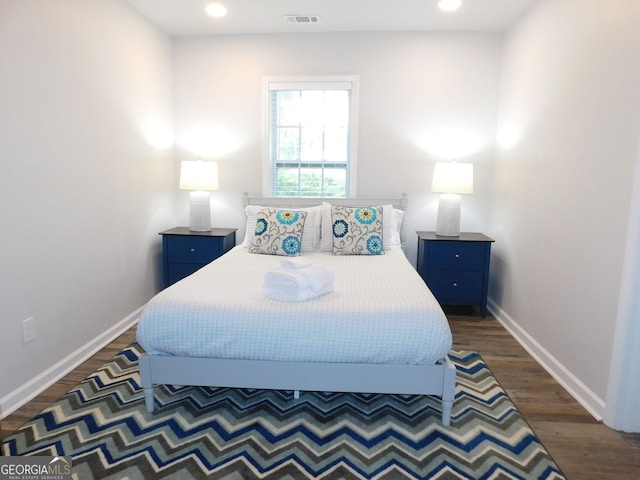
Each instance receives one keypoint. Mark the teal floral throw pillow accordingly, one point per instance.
(357, 230)
(278, 232)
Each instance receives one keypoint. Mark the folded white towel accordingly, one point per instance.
(315, 277)
(295, 262)
(295, 295)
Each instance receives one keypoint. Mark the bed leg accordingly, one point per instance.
(448, 391)
(144, 363)
(296, 394)
(148, 399)
(447, 406)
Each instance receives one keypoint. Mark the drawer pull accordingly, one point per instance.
(455, 284)
(193, 250)
(457, 255)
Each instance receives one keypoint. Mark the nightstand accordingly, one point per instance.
(184, 251)
(456, 269)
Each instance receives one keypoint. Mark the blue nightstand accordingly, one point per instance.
(456, 269)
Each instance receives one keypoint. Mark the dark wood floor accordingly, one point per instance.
(582, 447)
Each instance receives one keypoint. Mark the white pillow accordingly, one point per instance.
(326, 244)
(310, 236)
(391, 227)
(396, 236)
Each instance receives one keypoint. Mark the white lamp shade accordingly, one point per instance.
(198, 175)
(452, 177)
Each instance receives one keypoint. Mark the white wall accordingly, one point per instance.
(87, 177)
(568, 142)
(411, 86)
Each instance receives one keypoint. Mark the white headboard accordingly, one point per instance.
(301, 202)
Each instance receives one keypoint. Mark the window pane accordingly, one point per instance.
(287, 182)
(337, 108)
(288, 107)
(288, 143)
(311, 182)
(311, 145)
(312, 108)
(336, 144)
(335, 182)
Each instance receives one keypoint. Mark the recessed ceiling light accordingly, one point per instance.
(449, 5)
(216, 10)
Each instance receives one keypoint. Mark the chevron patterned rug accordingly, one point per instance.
(238, 434)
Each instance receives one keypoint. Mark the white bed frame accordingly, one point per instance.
(438, 379)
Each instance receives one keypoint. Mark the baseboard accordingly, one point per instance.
(578, 390)
(26, 392)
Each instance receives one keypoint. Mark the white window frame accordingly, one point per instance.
(270, 83)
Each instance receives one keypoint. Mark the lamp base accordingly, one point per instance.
(200, 212)
(448, 222)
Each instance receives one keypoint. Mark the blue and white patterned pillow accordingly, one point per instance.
(278, 232)
(357, 230)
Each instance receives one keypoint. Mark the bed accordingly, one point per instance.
(379, 330)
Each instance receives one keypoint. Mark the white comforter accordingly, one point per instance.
(380, 311)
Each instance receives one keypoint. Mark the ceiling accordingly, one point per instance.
(187, 17)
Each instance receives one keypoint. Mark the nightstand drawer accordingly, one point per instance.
(456, 287)
(191, 249)
(177, 271)
(444, 255)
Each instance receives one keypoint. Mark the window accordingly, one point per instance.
(311, 132)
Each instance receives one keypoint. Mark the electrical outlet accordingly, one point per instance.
(28, 330)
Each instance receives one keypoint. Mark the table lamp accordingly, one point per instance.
(199, 177)
(451, 179)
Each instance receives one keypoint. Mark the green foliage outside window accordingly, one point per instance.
(310, 182)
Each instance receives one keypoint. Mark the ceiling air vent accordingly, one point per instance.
(302, 18)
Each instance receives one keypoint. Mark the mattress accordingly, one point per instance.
(380, 311)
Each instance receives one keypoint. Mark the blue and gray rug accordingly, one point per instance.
(228, 434)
